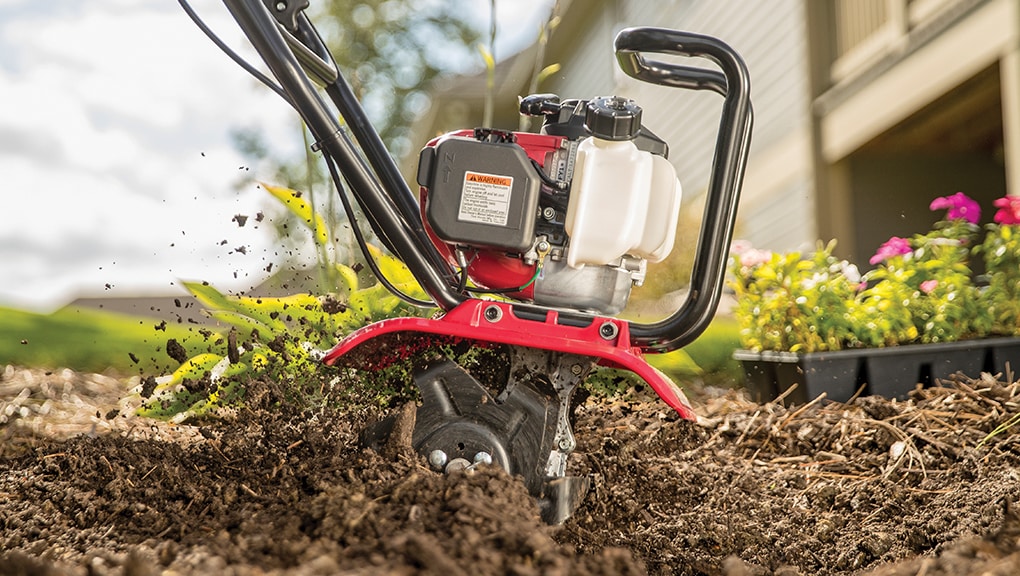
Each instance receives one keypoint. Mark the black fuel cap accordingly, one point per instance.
(613, 118)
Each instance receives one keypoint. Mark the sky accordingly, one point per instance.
(118, 171)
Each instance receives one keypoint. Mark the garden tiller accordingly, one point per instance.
(527, 243)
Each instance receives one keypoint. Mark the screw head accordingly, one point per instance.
(437, 458)
(549, 213)
(565, 444)
(493, 313)
(608, 330)
(483, 458)
(576, 369)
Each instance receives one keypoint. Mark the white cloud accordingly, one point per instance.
(116, 165)
(115, 156)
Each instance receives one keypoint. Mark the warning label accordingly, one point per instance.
(485, 199)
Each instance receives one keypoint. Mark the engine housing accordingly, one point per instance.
(568, 218)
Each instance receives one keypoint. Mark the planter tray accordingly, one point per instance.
(890, 372)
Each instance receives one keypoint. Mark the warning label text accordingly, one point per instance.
(485, 198)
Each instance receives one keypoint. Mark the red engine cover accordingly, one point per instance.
(492, 269)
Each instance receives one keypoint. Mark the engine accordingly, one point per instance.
(566, 218)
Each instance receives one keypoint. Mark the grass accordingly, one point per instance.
(713, 350)
(98, 341)
(91, 341)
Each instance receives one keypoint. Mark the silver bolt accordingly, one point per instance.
(493, 313)
(543, 246)
(457, 464)
(437, 458)
(565, 444)
(576, 369)
(549, 213)
(608, 330)
(483, 458)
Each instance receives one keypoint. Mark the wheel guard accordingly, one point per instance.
(487, 322)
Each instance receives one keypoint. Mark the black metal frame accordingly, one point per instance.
(295, 57)
(732, 144)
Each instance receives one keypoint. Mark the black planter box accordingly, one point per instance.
(770, 374)
(1005, 357)
(891, 372)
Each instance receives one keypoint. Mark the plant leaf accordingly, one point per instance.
(547, 72)
(349, 276)
(244, 313)
(490, 62)
(300, 207)
(397, 273)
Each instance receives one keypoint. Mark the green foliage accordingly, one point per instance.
(920, 292)
(392, 50)
(1001, 253)
(1000, 429)
(787, 302)
(925, 295)
(676, 364)
(612, 382)
(279, 339)
(89, 340)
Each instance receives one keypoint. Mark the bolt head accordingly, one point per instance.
(608, 330)
(437, 458)
(483, 458)
(493, 313)
(457, 464)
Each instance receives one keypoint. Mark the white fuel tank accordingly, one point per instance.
(622, 201)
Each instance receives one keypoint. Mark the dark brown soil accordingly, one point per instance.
(870, 487)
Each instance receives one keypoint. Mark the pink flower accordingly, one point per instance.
(749, 256)
(928, 286)
(754, 257)
(959, 206)
(894, 246)
(740, 246)
(1009, 210)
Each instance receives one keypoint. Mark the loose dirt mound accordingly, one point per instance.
(751, 489)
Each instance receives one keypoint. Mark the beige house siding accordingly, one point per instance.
(976, 42)
(777, 205)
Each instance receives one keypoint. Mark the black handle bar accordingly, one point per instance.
(732, 144)
(387, 201)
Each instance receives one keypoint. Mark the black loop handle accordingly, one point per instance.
(728, 163)
(630, 43)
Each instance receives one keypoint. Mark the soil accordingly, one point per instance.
(873, 486)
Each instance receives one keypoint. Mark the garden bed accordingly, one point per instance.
(880, 486)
